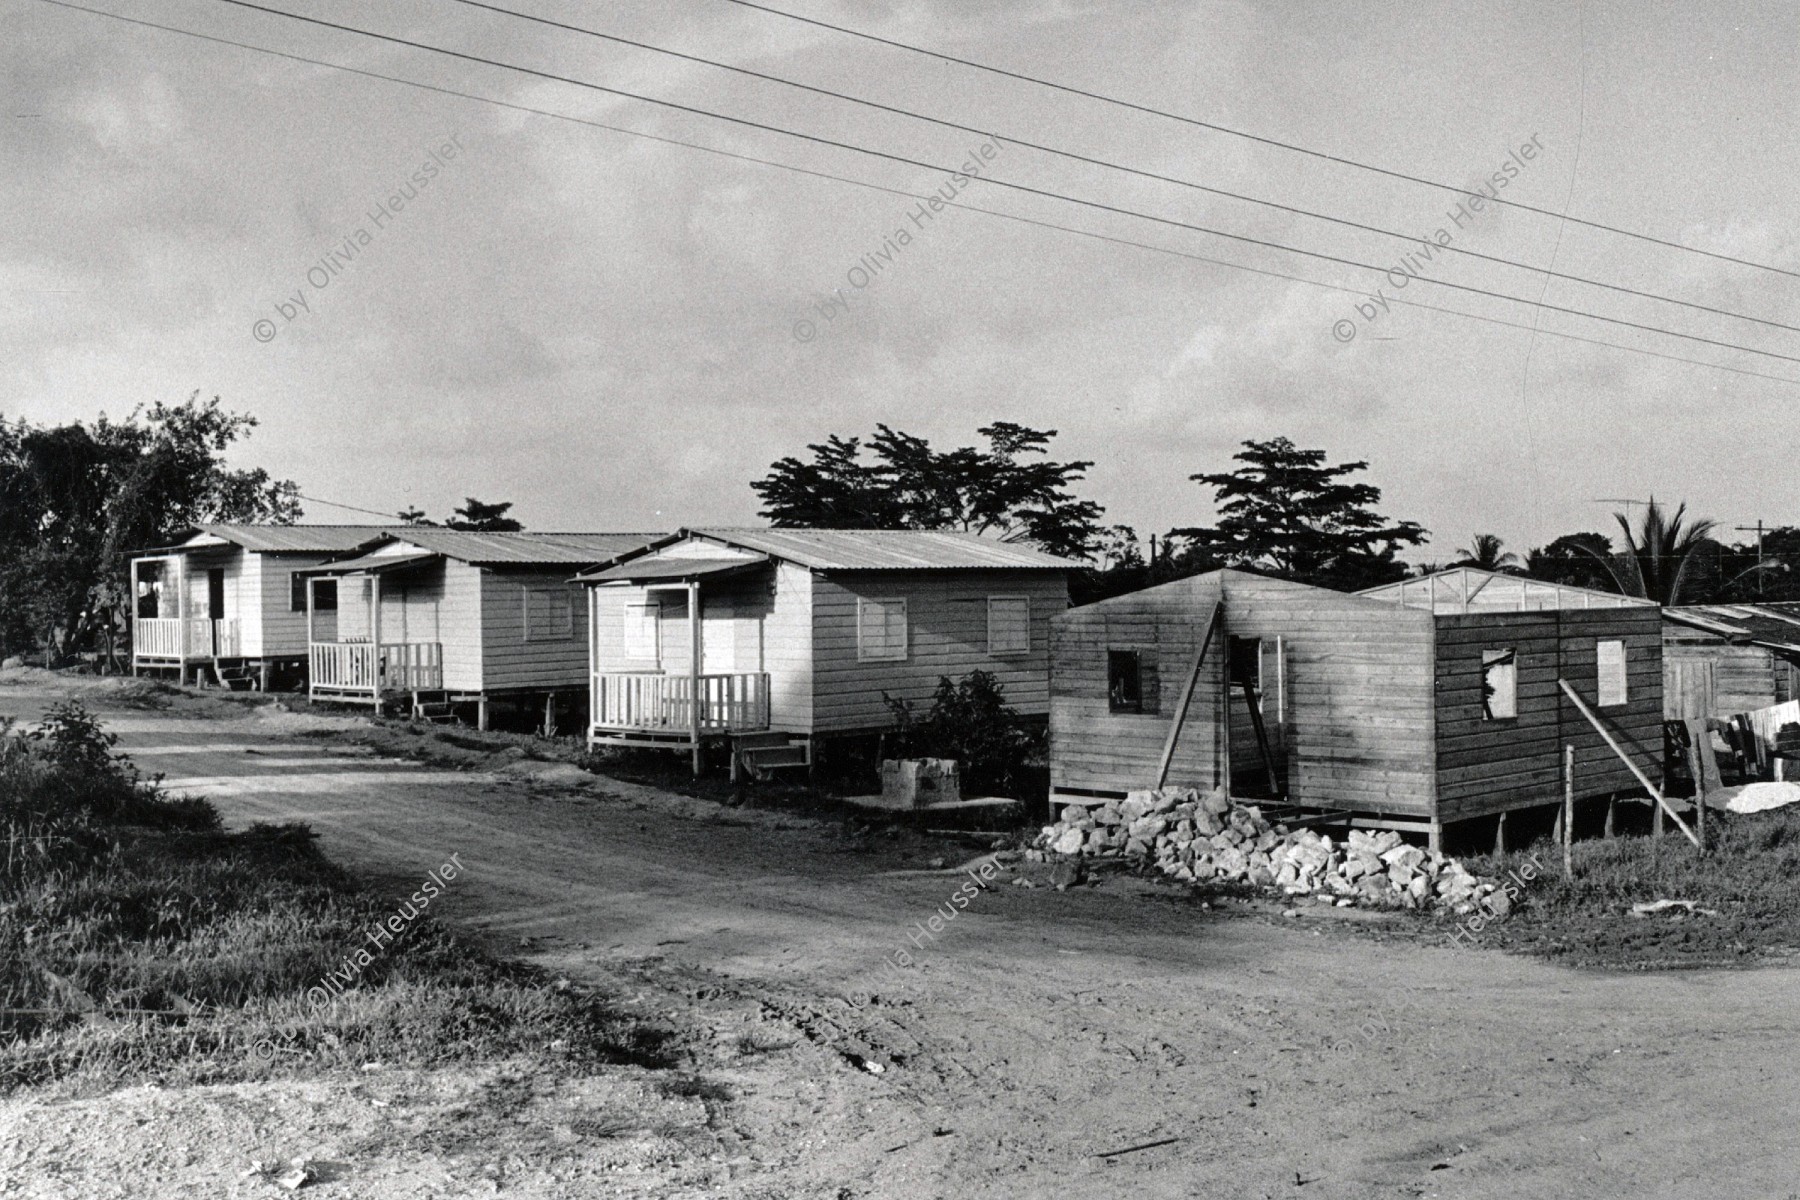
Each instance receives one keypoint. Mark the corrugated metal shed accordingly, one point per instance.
(524, 549)
(294, 539)
(885, 549)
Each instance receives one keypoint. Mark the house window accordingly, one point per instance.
(549, 614)
(1009, 625)
(880, 630)
(296, 592)
(1124, 681)
(325, 595)
(1610, 662)
(1499, 684)
(641, 624)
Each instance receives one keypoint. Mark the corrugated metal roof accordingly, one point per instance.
(1472, 590)
(1777, 624)
(656, 567)
(297, 539)
(886, 549)
(525, 549)
(375, 562)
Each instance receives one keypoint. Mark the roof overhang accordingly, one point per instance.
(374, 564)
(650, 570)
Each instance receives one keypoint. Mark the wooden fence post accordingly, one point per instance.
(1568, 812)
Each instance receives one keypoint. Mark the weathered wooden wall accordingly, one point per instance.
(1094, 749)
(1743, 677)
(1359, 714)
(1487, 766)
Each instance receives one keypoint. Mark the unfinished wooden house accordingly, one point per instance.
(229, 601)
(771, 638)
(1723, 659)
(1409, 707)
(439, 617)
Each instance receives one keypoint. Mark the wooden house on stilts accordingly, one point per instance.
(1412, 706)
(769, 639)
(439, 617)
(229, 601)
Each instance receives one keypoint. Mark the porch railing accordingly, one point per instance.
(365, 667)
(734, 703)
(186, 638)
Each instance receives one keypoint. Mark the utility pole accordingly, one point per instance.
(1758, 527)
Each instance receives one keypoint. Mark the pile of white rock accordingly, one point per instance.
(1203, 837)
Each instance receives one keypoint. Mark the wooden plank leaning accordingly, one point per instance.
(1607, 737)
(1187, 697)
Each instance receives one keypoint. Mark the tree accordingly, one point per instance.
(1287, 514)
(1488, 552)
(1659, 554)
(904, 484)
(76, 499)
(483, 518)
(413, 516)
(1576, 559)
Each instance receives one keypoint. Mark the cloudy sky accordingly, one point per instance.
(609, 329)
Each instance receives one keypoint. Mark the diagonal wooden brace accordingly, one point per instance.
(1655, 792)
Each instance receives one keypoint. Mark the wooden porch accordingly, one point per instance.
(365, 672)
(628, 703)
(171, 641)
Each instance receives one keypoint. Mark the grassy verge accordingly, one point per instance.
(1749, 880)
(140, 942)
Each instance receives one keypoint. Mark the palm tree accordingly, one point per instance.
(1489, 553)
(1657, 554)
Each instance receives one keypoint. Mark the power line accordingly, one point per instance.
(1101, 162)
(1019, 187)
(1239, 133)
(393, 517)
(1005, 216)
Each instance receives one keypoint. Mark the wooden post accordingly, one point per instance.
(549, 714)
(1568, 812)
(1612, 803)
(375, 633)
(481, 712)
(1662, 802)
(694, 650)
(1500, 835)
(1187, 697)
(181, 625)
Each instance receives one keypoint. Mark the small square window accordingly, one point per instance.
(325, 596)
(1499, 684)
(549, 614)
(880, 630)
(1124, 681)
(1610, 668)
(1009, 625)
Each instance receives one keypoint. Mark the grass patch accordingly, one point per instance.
(140, 942)
(1750, 877)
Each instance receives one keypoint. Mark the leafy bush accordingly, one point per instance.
(971, 722)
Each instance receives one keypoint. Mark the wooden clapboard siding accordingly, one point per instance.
(1358, 715)
(1489, 766)
(1096, 749)
(460, 609)
(282, 631)
(787, 649)
(947, 633)
(1744, 678)
(508, 659)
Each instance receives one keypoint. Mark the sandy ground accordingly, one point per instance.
(1230, 1051)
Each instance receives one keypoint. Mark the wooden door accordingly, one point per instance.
(1690, 689)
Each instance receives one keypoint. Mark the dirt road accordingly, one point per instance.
(1038, 1034)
